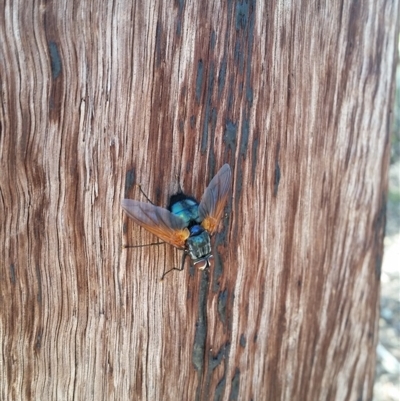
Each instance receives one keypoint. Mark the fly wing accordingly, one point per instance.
(157, 220)
(214, 198)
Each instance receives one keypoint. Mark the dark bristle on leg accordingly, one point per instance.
(175, 268)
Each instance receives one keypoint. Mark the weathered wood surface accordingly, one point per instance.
(96, 97)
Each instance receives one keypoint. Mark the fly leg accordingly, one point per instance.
(175, 268)
(141, 246)
(141, 190)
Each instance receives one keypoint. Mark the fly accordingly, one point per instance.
(186, 224)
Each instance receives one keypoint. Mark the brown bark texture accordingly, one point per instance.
(99, 96)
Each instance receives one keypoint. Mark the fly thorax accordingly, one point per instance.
(187, 209)
(198, 244)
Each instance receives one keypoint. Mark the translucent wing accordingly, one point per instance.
(214, 198)
(157, 220)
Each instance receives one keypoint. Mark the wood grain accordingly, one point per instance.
(99, 96)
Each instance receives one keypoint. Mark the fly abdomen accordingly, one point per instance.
(198, 244)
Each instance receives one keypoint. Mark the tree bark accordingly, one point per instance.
(99, 96)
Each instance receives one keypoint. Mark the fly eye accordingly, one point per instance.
(201, 264)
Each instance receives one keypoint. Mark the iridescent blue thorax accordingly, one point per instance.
(185, 208)
(198, 245)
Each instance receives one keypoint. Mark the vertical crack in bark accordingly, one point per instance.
(200, 337)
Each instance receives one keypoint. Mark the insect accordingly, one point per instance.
(186, 224)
